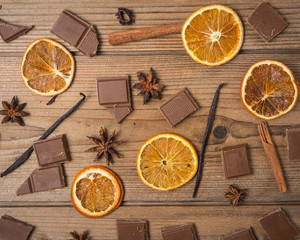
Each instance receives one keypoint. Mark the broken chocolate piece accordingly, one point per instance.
(9, 32)
(186, 231)
(76, 32)
(235, 161)
(246, 234)
(14, 229)
(132, 230)
(52, 150)
(178, 107)
(293, 139)
(278, 227)
(43, 179)
(121, 16)
(266, 21)
(114, 94)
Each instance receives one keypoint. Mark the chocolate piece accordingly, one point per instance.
(52, 150)
(246, 234)
(114, 94)
(9, 32)
(278, 227)
(235, 161)
(14, 229)
(76, 32)
(178, 107)
(293, 140)
(43, 179)
(186, 231)
(266, 21)
(132, 230)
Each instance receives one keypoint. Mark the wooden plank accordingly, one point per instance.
(146, 121)
(43, 14)
(211, 222)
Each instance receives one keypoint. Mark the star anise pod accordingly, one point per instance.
(149, 86)
(82, 236)
(235, 195)
(105, 146)
(13, 111)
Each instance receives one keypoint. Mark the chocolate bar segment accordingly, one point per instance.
(76, 32)
(293, 140)
(266, 21)
(178, 107)
(9, 32)
(186, 231)
(43, 179)
(132, 230)
(14, 229)
(246, 234)
(52, 150)
(278, 227)
(114, 94)
(235, 161)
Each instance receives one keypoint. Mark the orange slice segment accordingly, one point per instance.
(269, 89)
(166, 161)
(47, 67)
(213, 35)
(96, 191)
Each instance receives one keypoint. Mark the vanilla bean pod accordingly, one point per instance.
(209, 124)
(28, 152)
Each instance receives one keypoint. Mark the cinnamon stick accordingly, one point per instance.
(117, 38)
(272, 156)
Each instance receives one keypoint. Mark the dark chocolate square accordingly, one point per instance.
(293, 141)
(235, 161)
(278, 227)
(245, 234)
(132, 230)
(178, 107)
(266, 21)
(52, 150)
(14, 229)
(181, 232)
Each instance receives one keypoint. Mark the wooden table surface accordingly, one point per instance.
(52, 212)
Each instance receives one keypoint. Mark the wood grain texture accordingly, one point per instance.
(52, 211)
(211, 222)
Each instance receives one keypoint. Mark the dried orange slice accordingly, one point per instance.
(167, 161)
(213, 35)
(96, 191)
(269, 89)
(47, 67)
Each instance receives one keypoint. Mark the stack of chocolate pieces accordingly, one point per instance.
(14, 229)
(76, 32)
(114, 95)
(50, 154)
(132, 230)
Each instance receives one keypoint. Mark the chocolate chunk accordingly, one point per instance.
(278, 227)
(76, 32)
(293, 139)
(266, 21)
(52, 150)
(235, 161)
(114, 94)
(43, 179)
(186, 231)
(132, 230)
(178, 107)
(9, 32)
(14, 229)
(246, 234)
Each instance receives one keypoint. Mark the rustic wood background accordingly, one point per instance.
(52, 212)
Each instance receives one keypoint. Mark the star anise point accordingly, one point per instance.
(235, 195)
